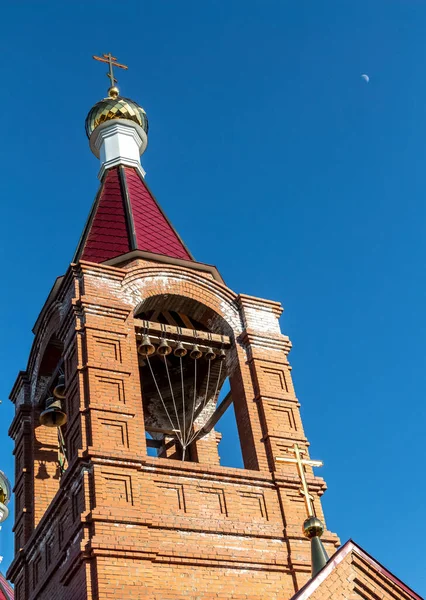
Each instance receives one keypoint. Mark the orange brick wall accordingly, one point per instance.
(120, 524)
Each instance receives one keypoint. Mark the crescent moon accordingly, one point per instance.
(365, 77)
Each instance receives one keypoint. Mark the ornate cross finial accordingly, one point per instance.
(301, 462)
(112, 62)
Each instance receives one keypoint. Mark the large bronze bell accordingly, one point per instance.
(210, 354)
(53, 415)
(195, 352)
(164, 349)
(180, 351)
(146, 348)
(59, 391)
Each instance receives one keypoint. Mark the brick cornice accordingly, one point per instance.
(84, 267)
(250, 337)
(161, 258)
(101, 306)
(21, 418)
(208, 471)
(187, 559)
(21, 381)
(260, 304)
(183, 469)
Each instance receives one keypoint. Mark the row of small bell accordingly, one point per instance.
(54, 414)
(147, 348)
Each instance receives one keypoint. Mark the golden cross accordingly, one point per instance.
(301, 462)
(112, 62)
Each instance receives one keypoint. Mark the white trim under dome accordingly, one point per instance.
(118, 142)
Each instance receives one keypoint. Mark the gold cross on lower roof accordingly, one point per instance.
(301, 462)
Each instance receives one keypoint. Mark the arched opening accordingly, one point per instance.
(50, 457)
(184, 349)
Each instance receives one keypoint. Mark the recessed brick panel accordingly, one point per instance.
(110, 389)
(108, 349)
(115, 432)
(172, 496)
(118, 488)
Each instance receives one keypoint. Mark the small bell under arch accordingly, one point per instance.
(221, 355)
(59, 391)
(210, 354)
(53, 415)
(146, 347)
(180, 351)
(164, 348)
(196, 352)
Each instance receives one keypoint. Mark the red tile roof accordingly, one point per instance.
(125, 217)
(6, 590)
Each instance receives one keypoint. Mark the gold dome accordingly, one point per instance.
(313, 527)
(115, 108)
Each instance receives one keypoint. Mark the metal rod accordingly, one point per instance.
(218, 413)
(202, 406)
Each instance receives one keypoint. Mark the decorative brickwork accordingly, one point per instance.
(120, 523)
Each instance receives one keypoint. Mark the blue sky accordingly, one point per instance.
(277, 163)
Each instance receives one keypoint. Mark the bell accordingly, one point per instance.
(59, 391)
(210, 354)
(53, 415)
(146, 348)
(164, 349)
(195, 352)
(222, 354)
(4, 512)
(180, 351)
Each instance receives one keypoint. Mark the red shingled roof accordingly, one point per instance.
(6, 590)
(125, 217)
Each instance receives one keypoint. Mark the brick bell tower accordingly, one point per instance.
(130, 354)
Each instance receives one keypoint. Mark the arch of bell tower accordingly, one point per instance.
(143, 281)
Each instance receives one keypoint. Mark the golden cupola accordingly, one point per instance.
(115, 106)
(117, 127)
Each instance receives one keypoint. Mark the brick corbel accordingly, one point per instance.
(21, 421)
(271, 341)
(260, 304)
(22, 383)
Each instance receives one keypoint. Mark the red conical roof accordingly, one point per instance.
(126, 217)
